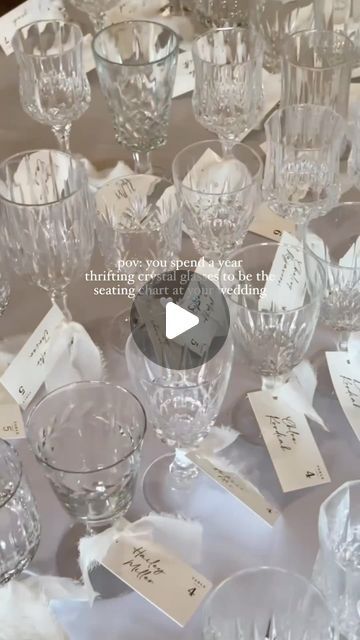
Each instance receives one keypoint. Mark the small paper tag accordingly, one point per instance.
(345, 377)
(26, 13)
(161, 578)
(237, 487)
(286, 284)
(25, 375)
(269, 225)
(185, 74)
(290, 442)
(11, 422)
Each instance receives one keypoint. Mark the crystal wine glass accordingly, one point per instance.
(54, 89)
(139, 227)
(19, 518)
(48, 219)
(336, 571)
(136, 64)
(274, 312)
(228, 95)
(218, 195)
(96, 10)
(267, 604)
(87, 437)
(302, 167)
(182, 407)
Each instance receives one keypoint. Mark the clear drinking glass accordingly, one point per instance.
(139, 227)
(96, 10)
(265, 604)
(136, 62)
(54, 89)
(302, 167)
(48, 219)
(228, 95)
(316, 69)
(182, 407)
(333, 240)
(19, 518)
(276, 19)
(337, 568)
(218, 195)
(223, 13)
(87, 437)
(343, 15)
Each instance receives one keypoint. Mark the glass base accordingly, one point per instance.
(244, 421)
(165, 495)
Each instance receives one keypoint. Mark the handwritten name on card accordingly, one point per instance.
(345, 377)
(294, 453)
(25, 375)
(25, 13)
(237, 487)
(158, 576)
(285, 287)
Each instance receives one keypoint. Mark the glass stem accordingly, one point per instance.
(182, 471)
(272, 384)
(63, 137)
(299, 230)
(142, 162)
(60, 299)
(227, 147)
(343, 341)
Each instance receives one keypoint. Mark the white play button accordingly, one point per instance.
(178, 320)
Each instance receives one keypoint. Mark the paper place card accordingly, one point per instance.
(185, 74)
(269, 225)
(294, 453)
(285, 287)
(26, 373)
(27, 12)
(237, 487)
(158, 576)
(11, 421)
(345, 377)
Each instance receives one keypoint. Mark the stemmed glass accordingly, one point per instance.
(266, 603)
(228, 96)
(96, 10)
(54, 89)
(273, 315)
(139, 228)
(136, 64)
(333, 240)
(336, 571)
(48, 219)
(19, 518)
(218, 195)
(87, 437)
(182, 407)
(302, 167)
(316, 69)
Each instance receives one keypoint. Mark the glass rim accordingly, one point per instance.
(254, 178)
(256, 36)
(90, 383)
(244, 573)
(135, 65)
(69, 156)
(19, 468)
(292, 36)
(323, 261)
(257, 245)
(38, 56)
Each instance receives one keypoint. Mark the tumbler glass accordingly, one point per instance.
(182, 407)
(228, 96)
(54, 89)
(337, 568)
(218, 195)
(316, 69)
(139, 227)
(96, 10)
(333, 240)
(19, 518)
(302, 167)
(266, 603)
(275, 20)
(223, 13)
(87, 437)
(48, 219)
(136, 62)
